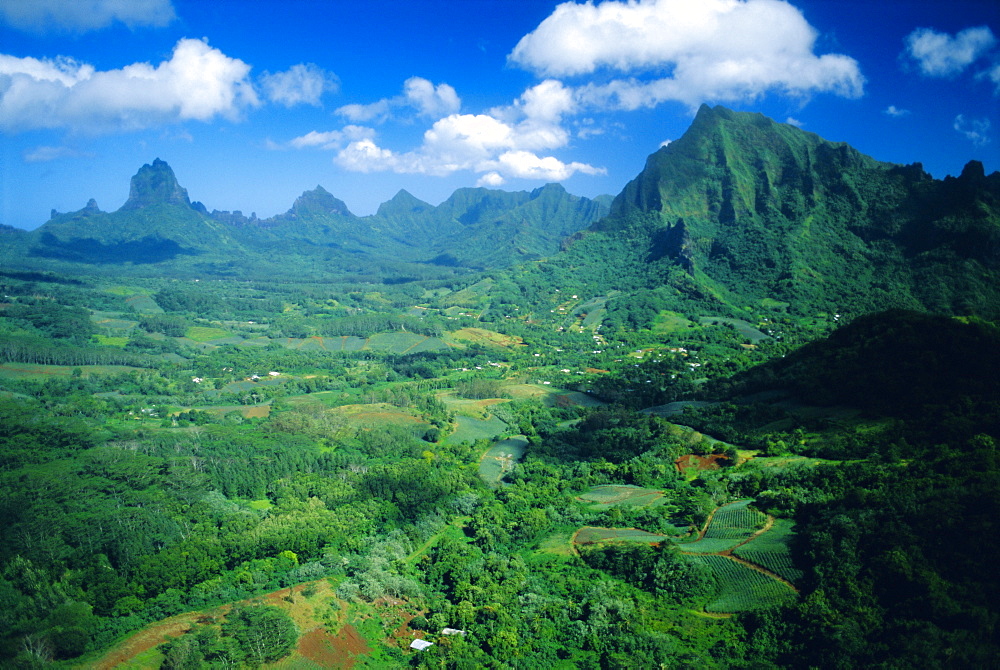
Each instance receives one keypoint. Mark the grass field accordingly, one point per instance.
(143, 304)
(381, 413)
(404, 343)
(206, 334)
(500, 458)
(621, 495)
(595, 535)
(469, 429)
(671, 322)
(487, 337)
(119, 342)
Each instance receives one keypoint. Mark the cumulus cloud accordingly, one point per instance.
(42, 16)
(197, 83)
(941, 55)
(896, 112)
(975, 130)
(719, 50)
(418, 94)
(431, 100)
(501, 143)
(480, 143)
(794, 122)
(302, 84)
(491, 180)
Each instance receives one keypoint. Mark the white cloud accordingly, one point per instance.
(44, 154)
(418, 93)
(41, 16)
(975, 130)
(491, 180)
(993, 74)
(431, 100)
(896, 112)
(376, 111)
(304, 83)
(474, 142)
(793, 122)
(720, 50)
(526, 165)
(941, 55)
(331, 140)
(504, 142)
(366, 156)
(197, 83)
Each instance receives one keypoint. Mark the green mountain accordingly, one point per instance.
(161, 230)
(744, 212)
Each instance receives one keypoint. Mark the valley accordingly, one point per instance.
(742, 415)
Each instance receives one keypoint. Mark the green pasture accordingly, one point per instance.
(206, 334)
(742, 589)
(107, 341)
(606, 496)
(500, 458)
(667, 322)
(143, 304)
(469, 429)
(560, 543)
(742, 327)
(404, 343)
(595, 535)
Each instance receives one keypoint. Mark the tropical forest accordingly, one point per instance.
(742, 414)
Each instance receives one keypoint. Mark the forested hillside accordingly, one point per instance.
(161, 230)
(696, 436)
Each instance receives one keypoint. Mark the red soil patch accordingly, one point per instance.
(260, 411)
(696, 462)
(333, 651)
(596, 371)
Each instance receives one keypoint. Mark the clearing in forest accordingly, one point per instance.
(468, 429)
(333, 633)
(597, 535)
(501, 457)
(621, 495)
(487, 337)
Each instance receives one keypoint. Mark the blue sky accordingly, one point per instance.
(254, 102)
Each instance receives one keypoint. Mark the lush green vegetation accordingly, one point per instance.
(674, 444)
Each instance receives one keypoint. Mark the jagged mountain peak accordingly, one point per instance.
(318, 202)
(155, 184)
(403, 202)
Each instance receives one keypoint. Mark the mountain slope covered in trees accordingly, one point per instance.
(160, 229)
(692, 437)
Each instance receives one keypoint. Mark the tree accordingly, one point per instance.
(264, 633)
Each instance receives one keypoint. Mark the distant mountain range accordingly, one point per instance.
(476, 228)
(742, 212)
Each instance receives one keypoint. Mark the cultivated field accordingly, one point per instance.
(621, 495)
(741, 588)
